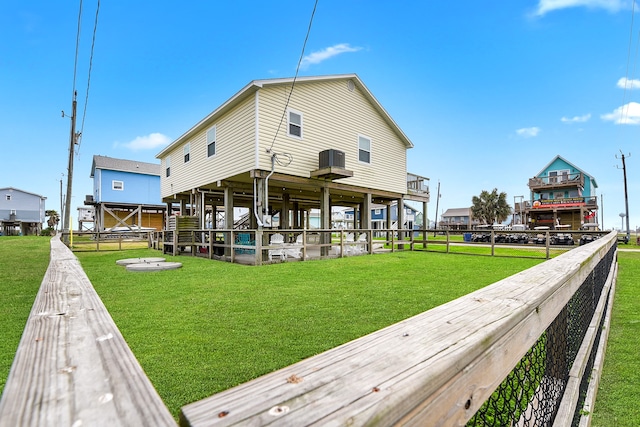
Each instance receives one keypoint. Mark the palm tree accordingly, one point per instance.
(490, 207)
(54, 218)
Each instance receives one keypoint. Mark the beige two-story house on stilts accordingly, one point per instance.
(281, 147)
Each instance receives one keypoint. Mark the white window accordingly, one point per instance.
(167, 166)
(117, 185)
(8, 197)
(211, 142)
(377, 211)
(295, 123)
(364, 149)
(186, 151)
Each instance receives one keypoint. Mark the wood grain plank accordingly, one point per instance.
(72, 366)
(434, 369)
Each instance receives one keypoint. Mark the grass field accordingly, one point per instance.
(212, 325)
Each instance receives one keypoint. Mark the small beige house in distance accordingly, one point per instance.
(281, 148)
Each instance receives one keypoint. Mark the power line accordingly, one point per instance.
(75, 62)
(304, 45)
(86, 98)
(624, 110)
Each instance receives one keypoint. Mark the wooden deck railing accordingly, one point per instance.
(435, 369)
(72, 366)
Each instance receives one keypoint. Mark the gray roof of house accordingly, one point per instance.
(2, 189)
(457, 212)
(122, 165)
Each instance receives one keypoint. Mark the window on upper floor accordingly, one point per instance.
(560, 175)
(295, 123)
(167, 166)
(364, 149)
(211, 142)
(377, 211)
(186, 151)
(8, 197)
(117, 185)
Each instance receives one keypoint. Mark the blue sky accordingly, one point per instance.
(489, 92)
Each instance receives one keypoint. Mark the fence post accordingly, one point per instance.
(493, 242)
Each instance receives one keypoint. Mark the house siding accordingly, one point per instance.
(333, 118)
(28, 207)
(138, 188)
(235, 141)
(560, 164)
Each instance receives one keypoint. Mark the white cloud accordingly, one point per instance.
(528, 132)
(628, 114)
(545, 6)
(625, 83)
(329, 52)
(576, 119)
(148, 142)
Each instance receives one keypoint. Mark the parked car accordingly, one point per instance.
(561, 239)
(587, 238)
(539, 239)
(518, 238)
(481, 237)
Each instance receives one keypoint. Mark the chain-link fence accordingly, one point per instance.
(531, 393)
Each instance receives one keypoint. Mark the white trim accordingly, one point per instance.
(114, 185)
(186, 151)
(370, 150)
(213, 128)
(257, 129)
(301, 125)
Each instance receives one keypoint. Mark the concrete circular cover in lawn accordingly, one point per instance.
(139, 260)
(154, 266)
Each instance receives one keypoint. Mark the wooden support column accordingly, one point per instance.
(296, 215)
(425, 218)
(365, 215)
(228, 218)
(325, 220)
(203, 211)
(400, 208)
(284, 213)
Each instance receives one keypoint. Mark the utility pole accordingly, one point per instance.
(72, 151)
(626, 197)
(435, 226)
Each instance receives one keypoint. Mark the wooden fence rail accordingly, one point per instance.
(434, 369)
(72, 366)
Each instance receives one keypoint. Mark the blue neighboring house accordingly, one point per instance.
(21, 212)
(561, 195)
(126, 194)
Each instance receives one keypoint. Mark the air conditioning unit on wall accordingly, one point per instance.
(331, 158)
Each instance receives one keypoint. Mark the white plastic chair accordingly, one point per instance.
(277, 240)
(295, 249)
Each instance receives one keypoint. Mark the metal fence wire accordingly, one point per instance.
(531, 394)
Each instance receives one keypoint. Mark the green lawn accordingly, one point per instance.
(212, 325)
(619, 391)
(23, 262)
